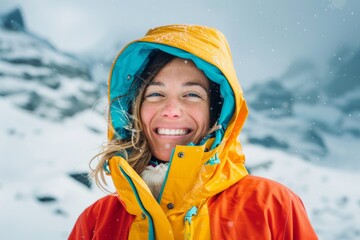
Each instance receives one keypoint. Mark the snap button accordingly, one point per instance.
(128, 77)
(143, 215)
(170, 206)
(181, 154)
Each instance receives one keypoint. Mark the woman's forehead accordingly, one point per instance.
(181, 69)
(191, 83)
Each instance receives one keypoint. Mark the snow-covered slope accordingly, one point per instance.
(50, 131)
(38, 198)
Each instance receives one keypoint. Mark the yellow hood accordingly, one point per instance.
(196, 173)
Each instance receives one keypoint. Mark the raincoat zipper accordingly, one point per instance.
(166, 177)
(145, 212)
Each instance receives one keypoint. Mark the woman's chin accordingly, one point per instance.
(163, 157)
(163, 154)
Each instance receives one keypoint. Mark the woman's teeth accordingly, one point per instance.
(171, 132)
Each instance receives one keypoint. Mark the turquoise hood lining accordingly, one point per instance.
(131, 63)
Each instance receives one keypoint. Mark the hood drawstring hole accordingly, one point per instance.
(106, 168)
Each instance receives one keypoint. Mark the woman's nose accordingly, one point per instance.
(172, 109)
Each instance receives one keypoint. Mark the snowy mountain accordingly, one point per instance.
(53, 122)
(317, 118)
(39, 78)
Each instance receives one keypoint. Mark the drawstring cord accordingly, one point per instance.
(189, 229)
(213, 160)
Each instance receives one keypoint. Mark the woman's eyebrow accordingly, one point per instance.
(186, 84)
(153, 83)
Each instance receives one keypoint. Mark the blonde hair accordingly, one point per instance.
(135, 150)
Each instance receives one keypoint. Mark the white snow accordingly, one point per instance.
(36, 157)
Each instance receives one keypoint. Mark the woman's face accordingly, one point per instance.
(175, 108)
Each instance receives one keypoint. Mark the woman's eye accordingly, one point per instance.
(153, 95)
(193, 95)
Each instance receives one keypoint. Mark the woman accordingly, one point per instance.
(176, 110)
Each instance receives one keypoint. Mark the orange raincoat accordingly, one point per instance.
(207, 193)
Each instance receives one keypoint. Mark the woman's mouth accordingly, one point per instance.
(172, 132)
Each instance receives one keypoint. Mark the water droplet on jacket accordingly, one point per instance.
(230, 224)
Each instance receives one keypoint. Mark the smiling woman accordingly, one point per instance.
(176, 110)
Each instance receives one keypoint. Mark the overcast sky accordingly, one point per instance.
(265, 36)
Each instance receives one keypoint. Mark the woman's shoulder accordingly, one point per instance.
(252, 180)
(109, 201)
(255, 196)
(262, 188)
(99, 217)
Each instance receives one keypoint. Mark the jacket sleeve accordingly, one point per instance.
(285, 213)
(297, 224)
(104, 219)
(85, 223)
